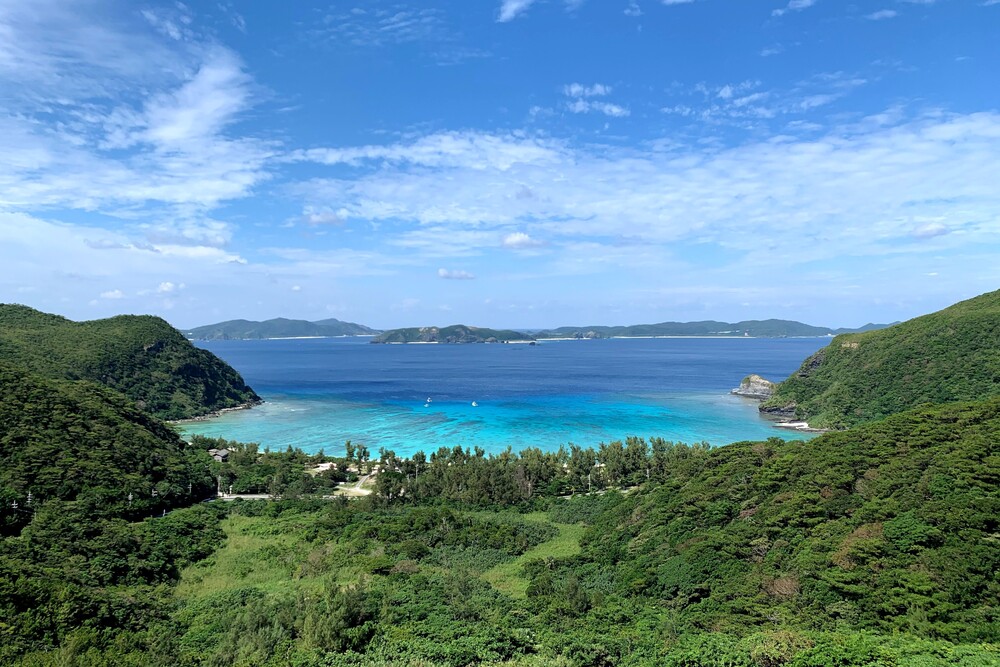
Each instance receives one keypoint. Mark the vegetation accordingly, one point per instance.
(876, 546)
(457, 333)
(77, 441)
(950, 355)
(288, 474)
(277, 328)
(142, 357)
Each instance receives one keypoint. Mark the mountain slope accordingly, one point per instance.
(950, 355)
(61, 440)
(277, 328)
(891, 526)
(143, 357)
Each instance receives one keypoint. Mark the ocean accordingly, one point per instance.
(322, 392)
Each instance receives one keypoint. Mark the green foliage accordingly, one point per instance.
(62, 440)
(142, 357)
(950, 355)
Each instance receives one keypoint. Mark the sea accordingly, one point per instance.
(321, 392)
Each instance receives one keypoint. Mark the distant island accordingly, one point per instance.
(460, 333)
(755, 328)
(456, 333)
(278, 327)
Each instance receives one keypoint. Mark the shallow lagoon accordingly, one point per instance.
(322, 392)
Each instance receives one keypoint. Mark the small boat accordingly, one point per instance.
(427, 405)
(475, 405)
(429, 399)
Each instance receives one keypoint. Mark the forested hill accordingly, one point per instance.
(456, 333)
(75, 440)
(277, 328)
(950, 355)
(143, 357)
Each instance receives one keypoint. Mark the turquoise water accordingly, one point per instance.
(320, 393)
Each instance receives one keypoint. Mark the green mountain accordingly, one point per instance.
(277, 328)
(457, 333)
(68, 440)
(142, 356)
(950, 355)
(759, 328)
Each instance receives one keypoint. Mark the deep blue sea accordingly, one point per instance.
(321, 392)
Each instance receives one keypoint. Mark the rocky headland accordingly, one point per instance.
(754, 386)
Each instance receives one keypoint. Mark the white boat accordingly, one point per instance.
(475, 405)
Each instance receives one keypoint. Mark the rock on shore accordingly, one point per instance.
(754, 386)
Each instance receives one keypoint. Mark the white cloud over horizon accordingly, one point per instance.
(150, 165)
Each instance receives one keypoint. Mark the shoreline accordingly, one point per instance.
(218, 413)
(800, 426)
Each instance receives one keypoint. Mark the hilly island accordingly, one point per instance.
(873, 546)
(142, 357)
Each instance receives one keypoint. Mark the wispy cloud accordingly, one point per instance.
(511, 9)
(449, 274)
(785, 190)
(882, 15)
(793, 6)
(580, 100)
(382, 26)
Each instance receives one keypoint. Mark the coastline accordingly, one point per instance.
(800, 426)
(218, 413)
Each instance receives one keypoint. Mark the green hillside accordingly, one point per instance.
(276, 328)
(143, 357)
(75, 440)
(457, 333)
(950, 355)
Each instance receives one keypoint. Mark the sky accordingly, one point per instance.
(504, 163)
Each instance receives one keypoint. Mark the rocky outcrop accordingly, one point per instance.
(754, 386)
(787, 411)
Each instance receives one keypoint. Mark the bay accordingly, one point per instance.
(322, 392)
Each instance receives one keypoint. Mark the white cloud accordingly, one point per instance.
(321, 215)
(582, 90)
(472, 150)
(511, 9)
(166, 287)
(579, 102)
(633, 9)
(794, 6)
(519, 240)
(855, 190)
(676, 2)
(882, 14)
(113, 294)
(455, 274)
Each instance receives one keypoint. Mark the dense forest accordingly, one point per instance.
(950, 355)
(142, 357)
(877, 546)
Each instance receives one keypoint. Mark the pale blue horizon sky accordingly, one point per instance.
(506, 163)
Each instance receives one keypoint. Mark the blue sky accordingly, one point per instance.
(500, 162)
